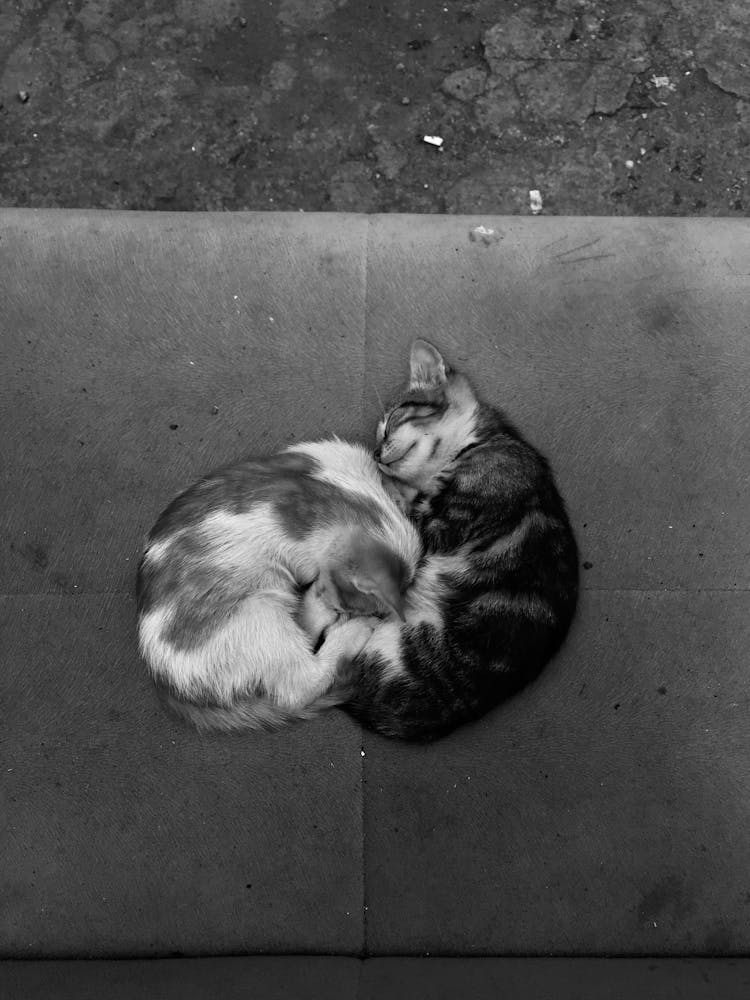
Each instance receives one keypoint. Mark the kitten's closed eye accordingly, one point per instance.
(418, 411)
(413, 413)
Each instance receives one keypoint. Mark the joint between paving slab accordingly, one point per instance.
(363, 785)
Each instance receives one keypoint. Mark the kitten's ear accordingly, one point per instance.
(427, 368)
(383, 591)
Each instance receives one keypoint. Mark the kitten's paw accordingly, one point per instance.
(315, 615)
(348, 638)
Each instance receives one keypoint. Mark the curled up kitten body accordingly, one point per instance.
(496, 589)
(249, 568)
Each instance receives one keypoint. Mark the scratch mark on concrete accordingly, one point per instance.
(554, 243)
(594, 256)
(583, 246)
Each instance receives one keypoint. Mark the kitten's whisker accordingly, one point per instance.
(380, 401)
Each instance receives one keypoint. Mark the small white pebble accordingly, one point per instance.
(361, 753)
(629, 164)
(662, 82)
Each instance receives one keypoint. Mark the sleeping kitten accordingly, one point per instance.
(495, 594)
(244, 571)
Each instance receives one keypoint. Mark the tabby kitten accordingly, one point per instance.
(496, 591)
(248, 570)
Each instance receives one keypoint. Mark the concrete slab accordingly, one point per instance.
(304, 977)
(603, 810)
(301, 977)
(600, 811)
(619, 345)
(554, 979)
(128, 834)
(142, 350)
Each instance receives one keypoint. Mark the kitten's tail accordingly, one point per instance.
(246, 714)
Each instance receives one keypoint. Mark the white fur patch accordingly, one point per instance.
(158, 549)
(255, 546)
(459, 429)
(423, 607)
(386, 642)
(260, 645)
(346, 466)
(424, 601)
(352, 469)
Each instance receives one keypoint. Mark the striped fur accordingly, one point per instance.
(496, 590)
(244, 570)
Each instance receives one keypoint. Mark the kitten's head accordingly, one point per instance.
(435, 419)
(365, 577)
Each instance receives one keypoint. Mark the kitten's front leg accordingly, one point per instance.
(345, 640)
(315, 614)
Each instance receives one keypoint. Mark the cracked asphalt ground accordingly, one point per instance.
(603, 106)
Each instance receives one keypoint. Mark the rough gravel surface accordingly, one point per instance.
(602, 107)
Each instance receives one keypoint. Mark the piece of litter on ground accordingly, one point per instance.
(361, 753)
(662, 83)
(535, 202)
(23, 96)
(484, 235)
(629, 164)
(434, 140)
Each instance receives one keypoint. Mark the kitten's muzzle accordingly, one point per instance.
(384, 465)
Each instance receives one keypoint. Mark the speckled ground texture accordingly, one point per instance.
(603, 107)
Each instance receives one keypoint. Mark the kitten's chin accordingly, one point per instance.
(400, 492)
